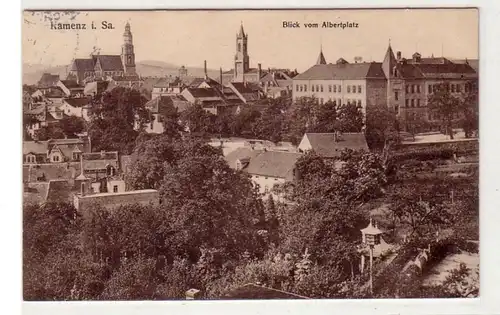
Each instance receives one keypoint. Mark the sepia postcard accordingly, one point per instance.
(250, 154)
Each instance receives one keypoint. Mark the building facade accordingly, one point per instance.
(402, 85)
(104, 66)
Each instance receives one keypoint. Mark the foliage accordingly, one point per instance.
(114, 118)
(382, 127)
(51, 131)
(72, 125)
(197, 120)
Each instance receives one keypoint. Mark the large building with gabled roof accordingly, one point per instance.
(103, 66)
(402, 85)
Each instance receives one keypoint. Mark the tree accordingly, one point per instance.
(51, 131)
(198, 120)
(114, 118)
(350, 117)
(382, 128)
(148, 160)
(72, 125)
(445, 106)
(470, 110)
(243, 122)
(210, 205)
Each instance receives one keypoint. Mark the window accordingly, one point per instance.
(312, 88)
(115, 188)
(321, 88)
(413, 88)
(466, 87)
(55, 158)
(329, 88)
(359, 88)
(317, 88)
(418, 103)
(396, 95)
(239, 47)
(430, 88)
(335, 89)
(305, 87)
(359, 103)
(340, 102)
(453, 88)
(459, 88)
(340, 88)
(321, 100)
(297, 88)
(396, 109)
(412, 103)
(407, 87)
(301, 88)
(76, 155)
(407, 102)
(348, 89)
(418, 88)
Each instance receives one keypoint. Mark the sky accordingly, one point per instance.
(190, 37)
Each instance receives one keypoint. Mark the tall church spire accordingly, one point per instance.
(241, 58)
(128, 55)
(242, 31)
(321, 58)
(389, 61)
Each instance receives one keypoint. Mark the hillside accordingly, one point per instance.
(148, 68)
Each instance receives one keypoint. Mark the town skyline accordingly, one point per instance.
(369, 41)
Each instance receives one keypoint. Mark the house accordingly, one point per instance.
(42, 116)
(167, 86)
(78, 107)
(266, 168)
(55, 150)
(48, 80)
(71, 88)
(159, 108)
(48, 94)
(330, 145)
(277, 84)
(247, 92)
(95, 88)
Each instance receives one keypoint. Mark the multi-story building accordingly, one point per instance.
(411, 82)
(403, 85)
(359, 83)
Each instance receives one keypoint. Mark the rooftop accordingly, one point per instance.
(343, 71)
(125, 193)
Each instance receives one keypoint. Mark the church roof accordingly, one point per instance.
(110, 62)
(48, 80)
(83, 65)
(321, 59)
(242, 31)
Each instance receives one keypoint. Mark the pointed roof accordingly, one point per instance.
(389, 61)
(321, 58)
(242, 32)
(371, 229)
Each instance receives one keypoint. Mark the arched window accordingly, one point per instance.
(239, 47)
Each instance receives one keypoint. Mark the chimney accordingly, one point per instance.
(205, 69)
(398, 56)
(260, 70)
(193, 294)
(220, 74)
(82, 189)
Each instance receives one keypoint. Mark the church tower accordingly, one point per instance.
(241, 59)
(128, 56)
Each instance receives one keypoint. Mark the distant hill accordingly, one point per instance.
(149, 68)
